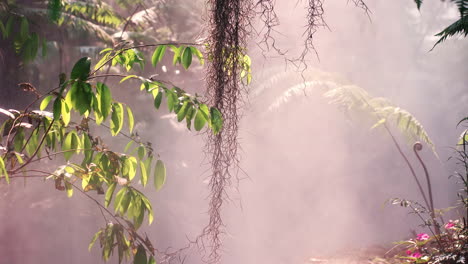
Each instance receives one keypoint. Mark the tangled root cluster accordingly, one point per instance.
(229, 26)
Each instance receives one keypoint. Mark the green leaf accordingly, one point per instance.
(81, 96)
(117, 116)
(158, 54)
(177, 54)
(3, 29)
(8, 26)
(69, 189)
(118, 198)
(95, 237)
(132, 167)
(24, 28)
(172, 100)
(128, 77)
(65, 112)
(189, 116)
(71, 145)
(129, 144)
(104, 98)
(159, 175)
(34, 42)
(140, 256)
(216, 120)
(18, 157)
(144, 175)
(198, 54)
(87, 145)
(131, 120)
(200, 120)
(3, 171)
(57, 108)
(187, 57)
(182, 111)
(45, 102)
(109, 193)
(44, 47)
(19, 140)
(157, 100)
(81, 69)
(32, 143)
(151, 260)
(141, 152)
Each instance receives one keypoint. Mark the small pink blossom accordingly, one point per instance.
(408, 252)
(422, 237)
(450, 225)
(416, 254)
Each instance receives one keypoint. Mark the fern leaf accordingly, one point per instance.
(458, 27)
(418, 3)
(462, 6)
(352, 97)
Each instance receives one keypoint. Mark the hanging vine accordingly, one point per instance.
(229, 27)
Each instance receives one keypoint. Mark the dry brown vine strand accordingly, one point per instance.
(265, 11)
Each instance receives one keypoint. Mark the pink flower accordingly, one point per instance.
(408, 252)
(422, 237)
(450, 225)
(416, 254)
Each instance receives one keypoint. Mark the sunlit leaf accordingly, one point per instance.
(3, 171)
(45, 102)
(105, 99)
(158, 54)
(159, 175)
(128, 77)
(198, 54)
(144, 175)
(182, 111)
(81, 69)
(69, 189)
(109, 193)
(95, 237)
(200, 120)
(129, 144)
(131, 120)
(117, 117)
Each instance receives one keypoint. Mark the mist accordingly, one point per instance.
(313, 183)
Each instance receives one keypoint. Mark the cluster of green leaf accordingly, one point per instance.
(16, 18)
(27, 137)
(458, 27)
(25, 43)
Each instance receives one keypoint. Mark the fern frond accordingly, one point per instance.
(98, 13)
(462, 6)
(458, 27)
(87, 27)
(355, 98)
(70, 20)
